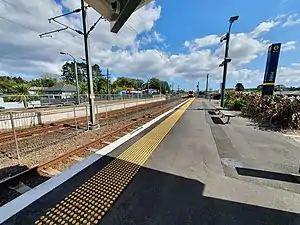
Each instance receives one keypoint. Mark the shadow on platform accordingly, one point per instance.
(267, 175)
(155, 197)
(200, 109)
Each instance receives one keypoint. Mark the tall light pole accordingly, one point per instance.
(226, 59)
(107, 83)
(88, 67)
(76, 76)
(206, 88)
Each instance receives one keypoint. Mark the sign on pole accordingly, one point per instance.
(271, 69)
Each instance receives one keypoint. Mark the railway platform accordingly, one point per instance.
(168, 171)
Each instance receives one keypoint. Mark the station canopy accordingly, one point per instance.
(117, 12)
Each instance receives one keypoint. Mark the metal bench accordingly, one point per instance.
(218, 108)
(226, 114)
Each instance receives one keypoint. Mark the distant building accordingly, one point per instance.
(2, 101)
(288, 93)
(36, 90)
(61, 91)
(151, 91)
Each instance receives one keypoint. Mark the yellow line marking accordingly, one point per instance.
(270, 83)
(90, 202)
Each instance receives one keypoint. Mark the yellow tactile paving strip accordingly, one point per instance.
(90, 202)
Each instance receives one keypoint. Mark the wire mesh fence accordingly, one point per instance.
(22, 132)
(37, 101)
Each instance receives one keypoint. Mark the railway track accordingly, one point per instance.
(54, 166)
(15, 185)
(102, 117)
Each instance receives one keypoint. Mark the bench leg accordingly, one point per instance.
(228, 118)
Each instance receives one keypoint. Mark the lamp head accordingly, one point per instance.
(223, 38)
(233, 18)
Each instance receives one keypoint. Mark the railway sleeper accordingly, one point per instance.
(76, 158)
(105, 142)
(20, 187)
(50, 171)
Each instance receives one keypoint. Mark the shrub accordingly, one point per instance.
(235, 103)
(217, 96)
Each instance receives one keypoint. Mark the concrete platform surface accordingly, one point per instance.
(182, 175)
(183, 182)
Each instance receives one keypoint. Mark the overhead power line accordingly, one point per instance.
(30, 29)
(11, 4)
(24, 26)
(18, 24)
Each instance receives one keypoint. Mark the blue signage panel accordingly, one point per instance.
(271, 69)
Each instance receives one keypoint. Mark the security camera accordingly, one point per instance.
(223, 38)
(115, 6)
(228, 60)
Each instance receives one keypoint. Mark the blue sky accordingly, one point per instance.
(181, 22)
(171, 40)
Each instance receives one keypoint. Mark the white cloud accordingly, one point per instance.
(24, 53)
(292, 20)
(263, 28)
(158, 37)
(290, 45)
(206, 41)
(243, 49)
(295, 64)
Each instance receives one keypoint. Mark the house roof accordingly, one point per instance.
(62, 88)
(37, 88)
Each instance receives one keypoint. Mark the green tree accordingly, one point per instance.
(22, 91)
(68, 72)
(279, 87)
(6, 84)
(99, 80)
(139, 83)
(165, 87)
(83, 88)
(155, 83)
(239, 87)
(259, 87)
(44, 81)
(18, 80)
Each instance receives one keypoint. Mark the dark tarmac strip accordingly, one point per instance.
(172, 175)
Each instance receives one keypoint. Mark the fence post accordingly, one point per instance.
(137, 106)
(106, 114)
(14, 132)
(98, 115)
(87, 117)
(75, 119)
(125, 110)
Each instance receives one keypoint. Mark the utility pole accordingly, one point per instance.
(206, 89)
(76, 76)
(178, 88)
(172, 88)
(88, 67)
(107, 83)
(226, 59)
(198, 90)
(160, 88)
(85, 35)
